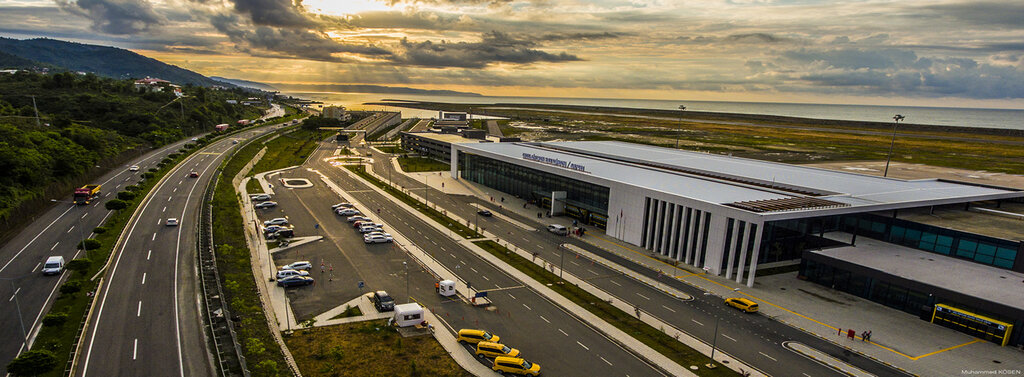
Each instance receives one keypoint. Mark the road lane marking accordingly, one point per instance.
(485, 277)
(615, 282)
(474, 270)
(581, 345)
(513, 297)
(563, 332)
(143, 278)
(148, 254)
(34, 239)
(138, 313)
(37, 266)
(605, 361)
(729, 337)
(69, 229)
(164, 210)
(175, 190)
(86, 214)
(154, 236)
(55, 246)
(159, 221)
(15, 294)
(135, 351)
(668, 308)
(645, 297)
(765, 355)
(545, 319)
(695, 321)
(592, 271)
(453, 255)
(168, 198)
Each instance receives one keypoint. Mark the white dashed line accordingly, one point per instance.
(545, 319)
(69, 229)
(573, 262)
(168, 198)
(148, 254)
(765, 355)
(143, 278)
(645, 297)
(581, 345)
(513, 297)
(669, 309)
(695, 321)
(605, 361)
(55, 246)
(86, 214)
(728, 337)
(592, 271)
(453, 255)
(164, 210)
(138, 313)
(527, 307)
(563, 332)
(15, 294)
(485, 277)
(154, 236)
(175, 190)
(135, 351)
(474, 270)
(615, 282)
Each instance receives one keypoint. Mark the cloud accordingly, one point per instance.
(115, 16)
(493, 48)
(288, 42)
(282, 13)
(980, 14)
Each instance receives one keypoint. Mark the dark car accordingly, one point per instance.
(267, 204)
(280, 234)
(295, 281)
(484, 213)
(383, 302)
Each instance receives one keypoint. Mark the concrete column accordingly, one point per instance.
(674, 236)
(716, 244)
(666, 243)
(733, 247)
(651, 215)
(743, 252)
(753, 259)
(699, 252)
(454, 165)
(691, 223)
(659, 227)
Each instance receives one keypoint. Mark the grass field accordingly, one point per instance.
(369, 349)
(392, 150)
(289, 149)
(421, 164)
(643, 332)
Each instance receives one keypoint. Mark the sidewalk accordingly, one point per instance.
(898, 339)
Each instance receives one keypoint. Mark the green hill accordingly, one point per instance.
(102, 60)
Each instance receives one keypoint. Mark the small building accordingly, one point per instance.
(335, 112)
(410, 314)
(150, 84)
(232, 101)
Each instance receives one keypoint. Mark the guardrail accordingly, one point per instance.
(227, 350)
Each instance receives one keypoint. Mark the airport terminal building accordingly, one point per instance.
(730, 215)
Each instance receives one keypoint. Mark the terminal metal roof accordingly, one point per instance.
(985, 282)
(728, 180)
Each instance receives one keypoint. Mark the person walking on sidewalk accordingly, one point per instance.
(869, 336)
(864, 336)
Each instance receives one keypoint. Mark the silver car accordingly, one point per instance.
(277, 221)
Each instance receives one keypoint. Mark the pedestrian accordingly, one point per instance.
(840, 331)
(502, 199)
(864, 336)
(869, 336)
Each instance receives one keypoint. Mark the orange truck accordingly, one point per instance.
(85, 194)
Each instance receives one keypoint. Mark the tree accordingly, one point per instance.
(99, 230)
(71, 286)
(32, 363)
(116, 204)
(126, 195)
(79, 265)
(55, 319)
(89, 244)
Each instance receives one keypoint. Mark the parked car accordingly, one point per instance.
(277, 221)
(300, 265)
(484, 213)
(558, 229)
(193, 174)
(359, 224)
(282, 233)
(377, 238)
(348, 212)
(294, 281)
(172, 222)
(352, 219)
(286, 273)
(492, 349)
(133, 168)
(382, 301)
(195, 139)
(342, 205)
(742, 304)
(370, 228)
(472, 336)
(272, 228)
(260, 197)
(515, 365)
(267, 204)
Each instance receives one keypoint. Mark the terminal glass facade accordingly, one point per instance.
(581, 197)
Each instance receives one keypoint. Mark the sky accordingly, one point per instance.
(959, 53)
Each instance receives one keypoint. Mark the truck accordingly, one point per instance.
(85, 194)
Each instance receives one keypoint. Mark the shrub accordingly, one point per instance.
(133, 188)
(126, 195)
(172, 155)
(32, 363)
(148, 175)
(55, 319)
(116, 204)
(89, 244)
(153, 170)
(169, 159)
(99, 230)
(80, 265)
(71, 286)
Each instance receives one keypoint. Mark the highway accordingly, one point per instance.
(754, 339)
(55, 232)
(545, 333)
(147, 321)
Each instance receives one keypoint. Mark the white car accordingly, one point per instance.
(298, 266)
(267, 204)
(353, 219)
(342, 205)
(195, 139)
(133, 168)
(368, 228)
(376, 237)
(286, 273)
(172, 222)
(348, 212)
(277, 221)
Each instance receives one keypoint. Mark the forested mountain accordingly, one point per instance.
(85, 121)
(102, 60)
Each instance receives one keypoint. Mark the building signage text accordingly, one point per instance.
(555, 162)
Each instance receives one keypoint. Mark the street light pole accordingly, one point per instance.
(561, 261)
(681, 109)
(17, 305)
(714, 343)
(896, 122)
(407, 296)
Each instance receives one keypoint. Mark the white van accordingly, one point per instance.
(558, 229)
(53, 266)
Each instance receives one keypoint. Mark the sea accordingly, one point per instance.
(940, 116)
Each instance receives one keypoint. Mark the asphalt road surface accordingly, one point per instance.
(754, 339)
(147, 321)
(545, 333)
(55, 232)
